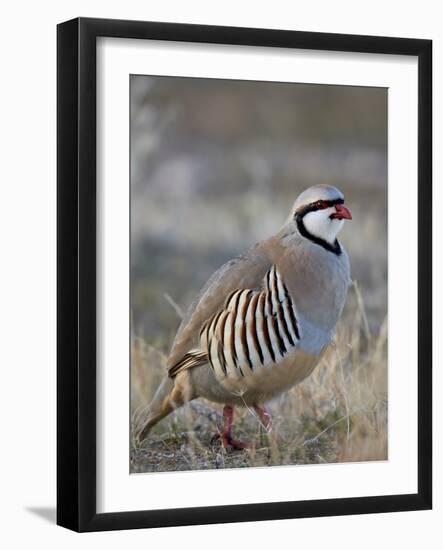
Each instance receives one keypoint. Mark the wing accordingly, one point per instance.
(244, 272)
(253, 329)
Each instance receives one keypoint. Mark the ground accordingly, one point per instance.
(338, 414)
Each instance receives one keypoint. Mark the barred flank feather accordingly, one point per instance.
(254, 329)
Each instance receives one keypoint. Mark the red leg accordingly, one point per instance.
(264, 416)
(226, 436)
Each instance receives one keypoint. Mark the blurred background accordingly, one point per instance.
(216, 166)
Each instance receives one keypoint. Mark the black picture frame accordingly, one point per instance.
(76, 265)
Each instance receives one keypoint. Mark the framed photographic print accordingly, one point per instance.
(244, 274)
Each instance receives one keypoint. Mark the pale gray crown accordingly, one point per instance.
(316, 193)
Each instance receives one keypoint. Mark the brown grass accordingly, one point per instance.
(338, 414)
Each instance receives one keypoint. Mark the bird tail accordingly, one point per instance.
(160, 406)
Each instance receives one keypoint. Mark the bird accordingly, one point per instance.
(263, 321)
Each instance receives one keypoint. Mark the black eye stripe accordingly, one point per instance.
(317, 205)
(326, 204)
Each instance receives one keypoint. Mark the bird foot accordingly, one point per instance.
(228, 443)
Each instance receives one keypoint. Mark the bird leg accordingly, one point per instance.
(265, 417)
(226, 436)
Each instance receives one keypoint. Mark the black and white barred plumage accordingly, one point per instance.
(254, 329)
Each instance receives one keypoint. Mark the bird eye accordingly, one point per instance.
(320, 204)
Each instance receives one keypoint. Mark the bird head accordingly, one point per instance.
(319, 213)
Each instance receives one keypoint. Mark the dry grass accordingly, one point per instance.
(338, 414)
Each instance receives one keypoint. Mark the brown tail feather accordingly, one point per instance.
(191, 359)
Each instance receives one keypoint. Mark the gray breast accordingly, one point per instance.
(318, 281)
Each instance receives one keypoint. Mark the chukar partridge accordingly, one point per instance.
(263, 320)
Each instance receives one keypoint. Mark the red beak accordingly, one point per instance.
(341, 213)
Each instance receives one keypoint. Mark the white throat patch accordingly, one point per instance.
(320, 225)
